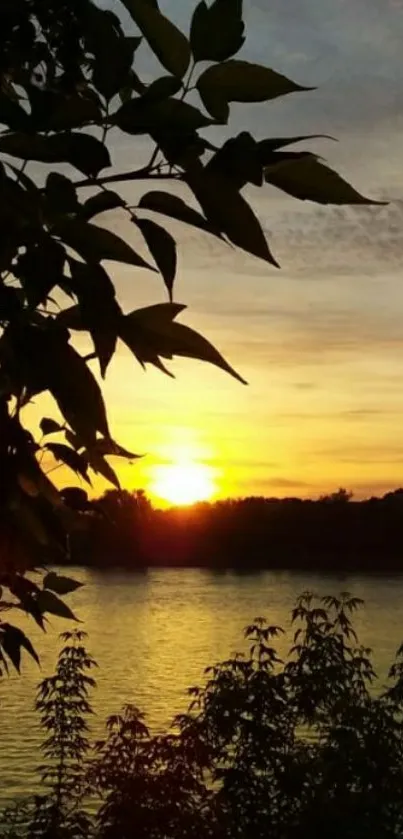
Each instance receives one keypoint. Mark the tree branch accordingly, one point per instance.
(140, 175)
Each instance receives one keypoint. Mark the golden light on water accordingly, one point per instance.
(184, 482)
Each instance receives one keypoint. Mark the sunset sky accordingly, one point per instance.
(320, 341)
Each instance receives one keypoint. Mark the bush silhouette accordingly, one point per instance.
(306, 746)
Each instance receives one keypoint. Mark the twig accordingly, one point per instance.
(139, 175)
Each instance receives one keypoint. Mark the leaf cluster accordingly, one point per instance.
(70, 80)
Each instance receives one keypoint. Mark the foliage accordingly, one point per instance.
(306, 746)
(63, 706)
(332, 532)
(70, 80)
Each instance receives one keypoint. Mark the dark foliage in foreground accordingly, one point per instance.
(309, 746)
(73, 87)
(332, 532)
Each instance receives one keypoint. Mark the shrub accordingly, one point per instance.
(309, 746)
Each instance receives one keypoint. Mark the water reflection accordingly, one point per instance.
(153, 634)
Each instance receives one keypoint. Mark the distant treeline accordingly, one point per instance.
(123, 529)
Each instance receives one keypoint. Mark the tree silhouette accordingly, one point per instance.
(70, 79)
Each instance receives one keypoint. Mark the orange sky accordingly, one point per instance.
(321, 341)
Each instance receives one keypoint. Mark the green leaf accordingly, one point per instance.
(100, 203)
(99, 309)
(228, 210)
(59, 584)
(84, 152)
(49, 602)
(95, 243)
(139, 116)
(162, 88)
(70, 458)
(167, 42)
(162, 247)
(49, 426)
(217, 32)
(12, 641)
(303, 176)
(240, 81)
(176, 208)
(152, 332)
(61, 197)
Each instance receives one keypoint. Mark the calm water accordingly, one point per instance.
(153, 634)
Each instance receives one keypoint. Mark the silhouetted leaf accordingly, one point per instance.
(167, 42)
(216, 31)
(24, 179)
(176, 208)
(61, 197)
(73, 112)
(12, 114)
(70, 458)
(138, 327)
(305, 177)
(100, 203)
(267, 147)
(109, 447)
(72, 318)
(238, 160)
(240, 81)
(139, 116)
(49, 602)
(40, 268)
(113, 52)
(98, 463)
(12, 641)
(227, 210)
(188, 343)
(49, 426)
(42, 359)
(162, 246)
(160, 314)
(162, 88)
(59, 584)
(99, 308)
(182, 150)
(86, 153)
(152, 332)
(10, 303)
(95, 243)
(78, 394)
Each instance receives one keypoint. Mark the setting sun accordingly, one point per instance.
(183, 483)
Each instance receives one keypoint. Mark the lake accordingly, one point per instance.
(153, 634)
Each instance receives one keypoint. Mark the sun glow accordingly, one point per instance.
(183, 483)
